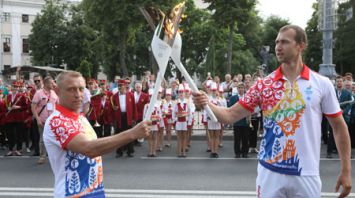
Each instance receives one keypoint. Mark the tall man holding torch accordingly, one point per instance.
(72, 145)
(293, 99)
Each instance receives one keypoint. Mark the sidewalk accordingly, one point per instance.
(200, 134)
(199, 131)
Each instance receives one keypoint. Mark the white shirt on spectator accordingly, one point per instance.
(122, 99)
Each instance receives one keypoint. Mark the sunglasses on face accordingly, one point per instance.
(37, 81)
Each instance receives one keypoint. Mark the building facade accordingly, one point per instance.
(15, 28)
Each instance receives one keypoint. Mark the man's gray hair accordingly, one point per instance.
(62, 75)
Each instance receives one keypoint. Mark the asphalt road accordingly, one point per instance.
(165, 176)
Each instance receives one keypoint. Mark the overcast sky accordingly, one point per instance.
(297, 11)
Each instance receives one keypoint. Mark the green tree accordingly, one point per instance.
(344, 40)
(251, 33)
(139, 58)
(85, 68)
(247, 57)
(81, 40)
(222, 44)
(271, 28)
(211, 57)
(47, 38)
(244, 58)
(246, 62)
(197, 29)
(229, 14)
(313, 53)
(118, 22)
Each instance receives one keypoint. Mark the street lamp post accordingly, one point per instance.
(264, 53)
(327, 25)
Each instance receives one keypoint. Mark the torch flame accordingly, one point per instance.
(169, 22)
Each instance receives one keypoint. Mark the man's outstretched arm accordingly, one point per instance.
(223, 114)
(93, 148)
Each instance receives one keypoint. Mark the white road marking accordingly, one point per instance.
(141, 193)
(175, 157)
(220, 158)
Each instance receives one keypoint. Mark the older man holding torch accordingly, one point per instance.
(73, 149)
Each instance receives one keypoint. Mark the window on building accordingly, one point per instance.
(25, 45)
(7, 67)
(25, 18)
(7, 44)
(7, 16)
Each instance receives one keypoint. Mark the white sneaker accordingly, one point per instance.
(41, 161)
(256, 150)
(28, 150)
(253, 150)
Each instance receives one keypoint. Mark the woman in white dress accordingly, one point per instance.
(160, 135)
(204, 115)
(180, 113)
(190, 119)
(152, 138)
(167, 115)
(214, 128)
(223, 103)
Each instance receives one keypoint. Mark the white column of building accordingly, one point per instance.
(16, 39)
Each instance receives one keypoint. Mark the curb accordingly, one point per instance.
(200, 134)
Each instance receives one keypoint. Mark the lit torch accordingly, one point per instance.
(171, 47)
(173, 16)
